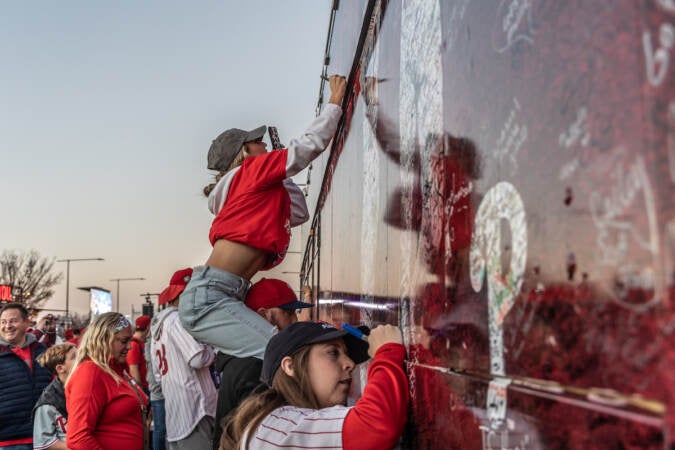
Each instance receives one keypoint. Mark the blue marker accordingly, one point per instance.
(354, 331)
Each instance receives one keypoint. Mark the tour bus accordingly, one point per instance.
(501, 186)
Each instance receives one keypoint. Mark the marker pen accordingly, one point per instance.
(354, 331)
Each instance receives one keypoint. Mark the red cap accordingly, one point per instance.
(142, 322)
(273, 293)
(177, 285)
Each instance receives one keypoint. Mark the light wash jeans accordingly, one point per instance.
(212, 310)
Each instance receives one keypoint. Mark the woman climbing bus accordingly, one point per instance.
(255, 206)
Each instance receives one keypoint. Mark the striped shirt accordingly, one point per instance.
(182, 365)
(291, 427)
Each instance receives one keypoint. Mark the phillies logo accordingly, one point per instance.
(61, 422)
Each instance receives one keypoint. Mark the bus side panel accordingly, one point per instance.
(503, 189)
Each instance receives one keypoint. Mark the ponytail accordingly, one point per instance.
(238, 160)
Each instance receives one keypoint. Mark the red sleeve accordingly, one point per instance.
(267, 169)
(85, 399)
(134, 355)
(378, 418)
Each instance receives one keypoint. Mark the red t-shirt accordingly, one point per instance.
(257, 209)
(136, 355)
(24, 354)
(103, 413)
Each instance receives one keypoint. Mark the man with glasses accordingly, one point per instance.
(22, 379)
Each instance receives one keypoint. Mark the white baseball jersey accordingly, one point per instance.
(293, 427)
(49, 427)
(181, 364)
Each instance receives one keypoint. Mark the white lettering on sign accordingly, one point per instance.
(496, 402)
(511, 139)
(613, 210)
(514, 24)
(671, 140)
(452, 23)
(420, 114)
(501, 202)
(657, 61)
(576, 135)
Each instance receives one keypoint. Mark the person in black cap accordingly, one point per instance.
(308, 368)
(254, 215)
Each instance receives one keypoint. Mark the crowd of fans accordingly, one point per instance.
(224, 364)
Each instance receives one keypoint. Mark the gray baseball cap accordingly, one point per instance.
(226, 146)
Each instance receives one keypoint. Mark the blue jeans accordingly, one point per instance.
(159, 420)
(212, 310)
(18, 447)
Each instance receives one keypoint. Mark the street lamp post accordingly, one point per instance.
(67, 261)
(117, 295)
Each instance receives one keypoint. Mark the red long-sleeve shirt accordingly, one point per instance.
(102, 412)
(378, 418)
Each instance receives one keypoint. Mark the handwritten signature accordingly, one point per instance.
(511, 138)
(516, 24)
(657, 61)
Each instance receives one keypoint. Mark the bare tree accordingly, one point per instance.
(79, 320)
(31, 274)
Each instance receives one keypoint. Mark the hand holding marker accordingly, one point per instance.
(378, 336)
(354, 331)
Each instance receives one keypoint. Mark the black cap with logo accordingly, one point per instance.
(300, 334)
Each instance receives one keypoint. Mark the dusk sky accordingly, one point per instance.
(108, 112)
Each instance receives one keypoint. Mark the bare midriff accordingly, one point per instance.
(236, 258)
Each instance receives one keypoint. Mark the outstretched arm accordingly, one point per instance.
(302, 150)
(378, 418)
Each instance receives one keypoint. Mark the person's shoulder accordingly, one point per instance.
(37, 347)
(86, 368)
(306, 420)
(172, 319)
(46, 409)
(272, 157)
(289, 413)
(298, 413)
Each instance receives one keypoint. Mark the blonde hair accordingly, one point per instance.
(97, 342)
(236, 162)
(54, 356)
(286, 390)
